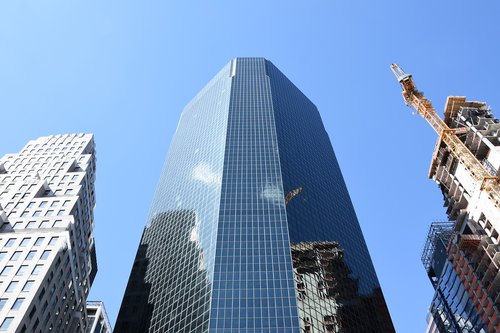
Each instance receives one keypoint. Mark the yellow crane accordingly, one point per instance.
(416, 99)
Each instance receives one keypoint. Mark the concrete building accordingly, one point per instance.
(47, 252)
(251, 228)
(462, 258)
(98, 321)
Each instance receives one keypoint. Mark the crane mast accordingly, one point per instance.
(449, 136)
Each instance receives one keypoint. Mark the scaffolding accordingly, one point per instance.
(438, 232)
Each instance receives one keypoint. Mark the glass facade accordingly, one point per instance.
(452, 309)
(169, 287)
(251, 193)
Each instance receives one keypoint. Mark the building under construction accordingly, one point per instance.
(462, 256)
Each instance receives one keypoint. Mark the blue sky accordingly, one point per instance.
(125, 69)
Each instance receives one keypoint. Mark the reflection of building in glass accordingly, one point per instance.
(156, 289)
(47, 250)
(328, 298)
(98, 318)
(250, 172)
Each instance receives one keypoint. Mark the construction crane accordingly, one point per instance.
(449, 136)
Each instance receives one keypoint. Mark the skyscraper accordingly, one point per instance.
(251, 227)
(47, 252)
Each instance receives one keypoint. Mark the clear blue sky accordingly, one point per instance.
(124, 70)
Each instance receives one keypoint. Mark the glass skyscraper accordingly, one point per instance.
(251, 228)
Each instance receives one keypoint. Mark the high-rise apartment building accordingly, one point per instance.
(251, 227)
(462, 257)
(47, 252)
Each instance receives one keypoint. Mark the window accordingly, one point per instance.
(6, 270)
(15, 255)
(45, 224)
(17, 304)
(43, 204)
(11, 286)
(53, 240)
(45, 255)
(49, 213)
(30, 225)
(25, 242)
(58, 224)
(22, 269)
(28, 285)
(2, 255)
(328, 322)
(66, 203)
(54, 203)
(40, 296)
(10, 242)
(6, 323)
(39, 241)
(37, 270)
(37, 213)
(35, 325)
(2, 302)
(32, 312)
(30, 255)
